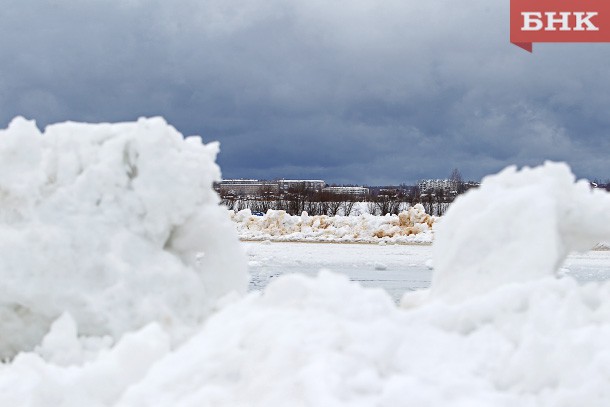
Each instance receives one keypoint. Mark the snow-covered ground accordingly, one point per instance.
(395, 268)
(122, 283)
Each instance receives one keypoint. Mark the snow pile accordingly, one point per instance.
(411, 226)
(329, 342)
(527, 223)
(116, 224)
(526, 338)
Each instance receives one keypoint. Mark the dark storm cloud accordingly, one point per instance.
(348, 91)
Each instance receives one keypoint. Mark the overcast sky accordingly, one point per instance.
(350, 91)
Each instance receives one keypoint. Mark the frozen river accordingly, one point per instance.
(395, 268)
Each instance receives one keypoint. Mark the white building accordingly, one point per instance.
(445, 185)
(314, 185)
(239, 181)
(250, 187)
(347, 190)
(247, 187)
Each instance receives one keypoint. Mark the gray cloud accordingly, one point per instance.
(349, 91)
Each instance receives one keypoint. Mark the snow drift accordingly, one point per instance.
(498, 328)
(527, 222)
(411, 226)
(116, 224)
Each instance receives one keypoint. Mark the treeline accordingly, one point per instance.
(300, 199)
(295, 202)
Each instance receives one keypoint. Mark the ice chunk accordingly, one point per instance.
(413, 225)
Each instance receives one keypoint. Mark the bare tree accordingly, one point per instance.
(334, 203)
(414, 196)
(427, 200)
(347, 205)
(312, 207)
(457, 181)
(281, 204)
(387, 203)
(440, 199)
(295, 198)
(371, 206)
(228, 201)
(324, 200)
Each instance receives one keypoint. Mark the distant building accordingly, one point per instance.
(240, 181)
(247, 187)
(254, 187)
(448, 186)
(347, 190)
(313, 185)
(445, 185)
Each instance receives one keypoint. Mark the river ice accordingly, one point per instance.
(395, 268)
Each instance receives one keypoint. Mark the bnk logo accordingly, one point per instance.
(559, 21)
(533, 21)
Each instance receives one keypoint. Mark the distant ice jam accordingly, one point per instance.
(559, 21)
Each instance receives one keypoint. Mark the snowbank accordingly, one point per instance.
(527, 222)
(519, 336)
(329, 342)
(498, 328)
(116, 224)
(410, 226)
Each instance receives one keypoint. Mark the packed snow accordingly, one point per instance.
(532, 219)
(413, 225)
(118, 267)
(115, 224)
